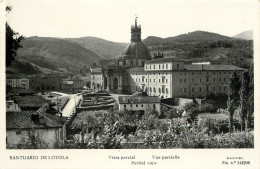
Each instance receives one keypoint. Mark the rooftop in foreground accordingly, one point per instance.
(32, 119)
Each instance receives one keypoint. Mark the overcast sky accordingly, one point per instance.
(112, 19)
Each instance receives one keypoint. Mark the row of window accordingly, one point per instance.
(162, 90)
(163, 80)
(140, 105)
(207, 89)
(148, 73)
(152, 67)
(207, 80)
(97, 78)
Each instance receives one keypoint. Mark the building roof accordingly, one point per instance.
(163, 60)
(136, 50)
(24, 120)
(136, 69)
(31, 101)
(73, 79)
(212, 67)
(21, 91)
(139, 94)
(138, 99)
(15, 77)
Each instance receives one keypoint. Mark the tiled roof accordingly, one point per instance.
(212, 67)
(98, 66)
(22, 91)
(138, 99)
(23, 120)
(74, 79)
(139, 94)
(136, 69)
(14, 77)
(31, 101)
(162, 60)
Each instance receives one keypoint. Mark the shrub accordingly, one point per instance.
(164, 127)
(197, 140)
(207, 108)
(207, 125)
(172, 113)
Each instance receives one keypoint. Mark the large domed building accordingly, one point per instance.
(135, 53)
(115, 78)
(164, 77)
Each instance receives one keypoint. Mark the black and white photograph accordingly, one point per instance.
(129, 84)
(129, 74)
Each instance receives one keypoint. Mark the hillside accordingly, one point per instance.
(204, 46)
(56, 54)
(75, 54)
(247, 35)
(191, 37)
(20, 68)
(105, 49)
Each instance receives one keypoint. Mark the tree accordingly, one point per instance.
(231, 101)
(13, 42)
(250, 96)
(234, 86)
(244, 100)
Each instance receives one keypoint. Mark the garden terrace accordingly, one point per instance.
(97, 101)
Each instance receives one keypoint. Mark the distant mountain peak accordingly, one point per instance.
(247, 35)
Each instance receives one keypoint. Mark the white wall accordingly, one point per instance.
(146, 106)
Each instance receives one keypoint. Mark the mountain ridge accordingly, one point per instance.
(74, 54)
(104, 48)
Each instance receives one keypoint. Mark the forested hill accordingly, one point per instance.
(75, 54)
(56, 54)
(104, 48)
(191, 37)
(204, 46)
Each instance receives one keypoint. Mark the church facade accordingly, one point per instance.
(158, 76)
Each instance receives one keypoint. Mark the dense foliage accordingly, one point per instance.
(241, 99)
(13, 42)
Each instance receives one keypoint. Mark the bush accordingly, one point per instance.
(207, 108)
(164, 127)
(197, 140)
(172, 113)
(208, 125)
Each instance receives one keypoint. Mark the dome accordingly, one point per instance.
(136, 50)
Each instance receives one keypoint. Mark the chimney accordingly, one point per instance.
(35, 118)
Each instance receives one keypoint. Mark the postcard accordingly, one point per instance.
(129, 84)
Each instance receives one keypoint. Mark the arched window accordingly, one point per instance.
(159, 89)
(154, 90)
(150, 89)
(115, 83)
(163, 89)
